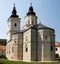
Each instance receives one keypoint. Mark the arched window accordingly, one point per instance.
(56, 55)
(51, 48)
(15, 25)
(26, 48)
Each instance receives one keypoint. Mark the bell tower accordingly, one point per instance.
(13, 24)
(30, 18)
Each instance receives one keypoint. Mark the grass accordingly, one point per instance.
(4, 61)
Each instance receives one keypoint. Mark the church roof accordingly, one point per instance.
(21, 31)
(2, 47)
(38, 26)
(57, 44)
(41, 26)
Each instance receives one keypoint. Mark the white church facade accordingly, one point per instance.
(35, 42)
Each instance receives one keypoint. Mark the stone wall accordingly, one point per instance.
(15, 47)
(33, 45)
(46, 48)
(27, 45)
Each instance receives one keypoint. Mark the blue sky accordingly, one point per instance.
(48, 12)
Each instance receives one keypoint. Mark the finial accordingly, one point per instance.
(14, 4)
(31, 10)
(31, 3)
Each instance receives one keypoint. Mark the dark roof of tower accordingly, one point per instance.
(14, 12)
(31, 11)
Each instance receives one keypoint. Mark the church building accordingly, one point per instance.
(34, 42)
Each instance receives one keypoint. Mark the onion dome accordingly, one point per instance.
(31, 11)
(14, 12)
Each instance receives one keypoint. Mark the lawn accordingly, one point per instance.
(2, 61)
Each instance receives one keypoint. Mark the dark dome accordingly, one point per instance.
(14, 12)
(31, 11)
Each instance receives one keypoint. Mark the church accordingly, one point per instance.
(34, 42)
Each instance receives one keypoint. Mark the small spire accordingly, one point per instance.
(31, 3)
(31, 7)
(14, 10)
(14, 4)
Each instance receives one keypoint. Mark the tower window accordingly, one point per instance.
(51, 48)
(26, 48)
(15, 24)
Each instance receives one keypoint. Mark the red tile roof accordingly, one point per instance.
(2, 47)
(57, 44)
